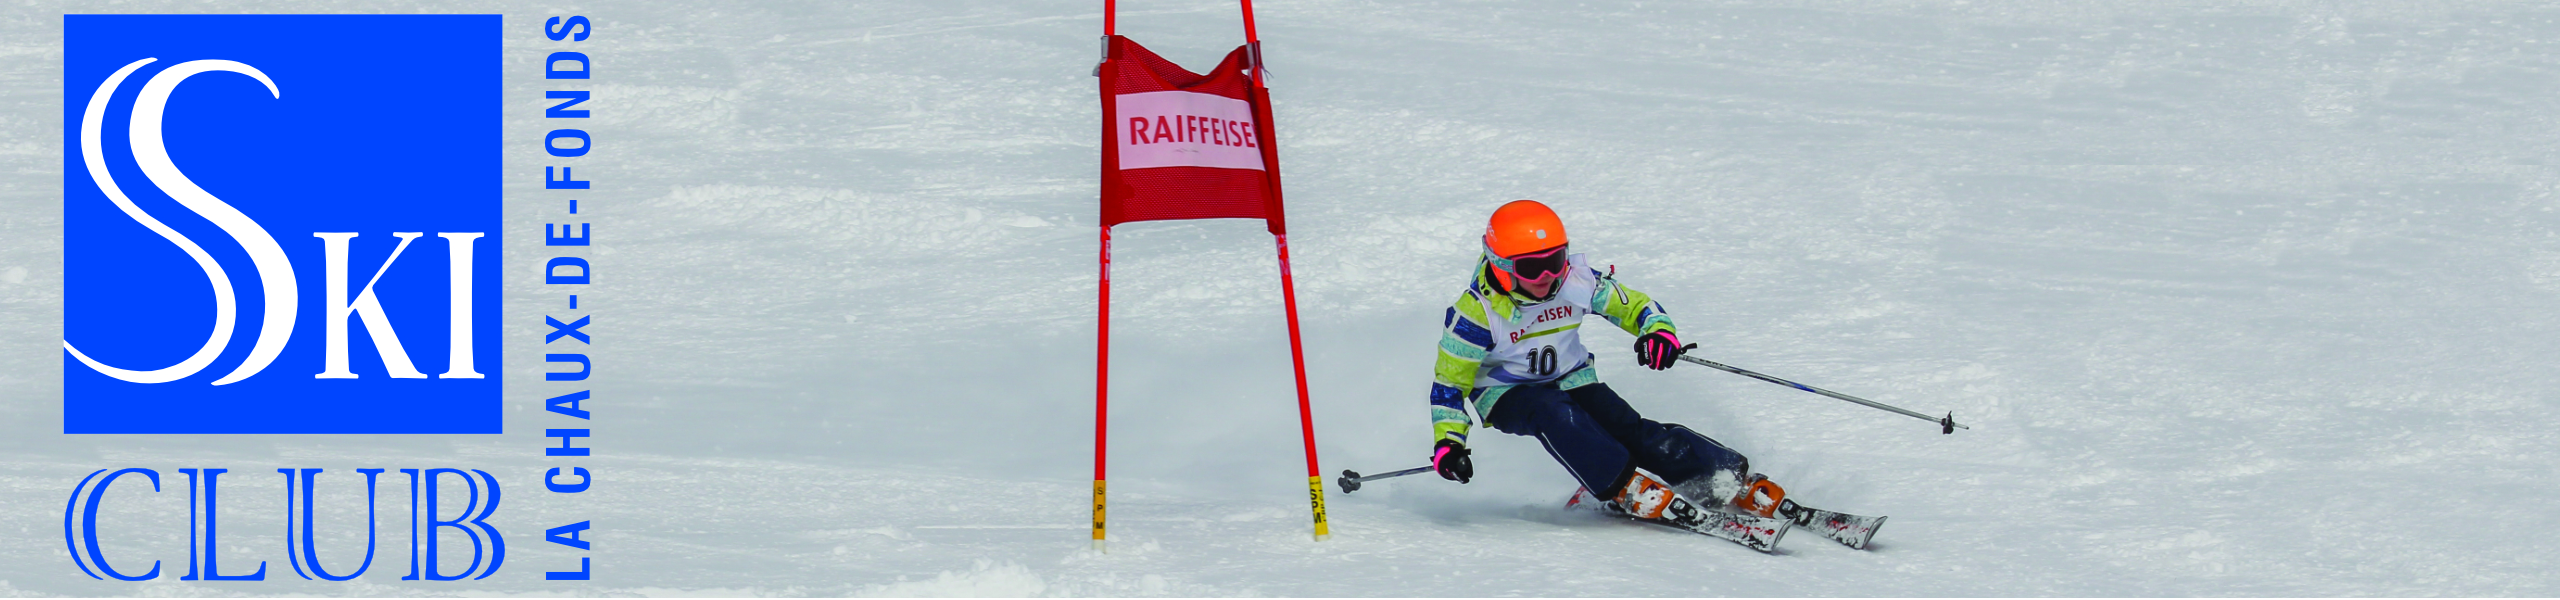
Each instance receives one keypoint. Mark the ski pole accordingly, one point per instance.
(1946, 424)
(1351, 480)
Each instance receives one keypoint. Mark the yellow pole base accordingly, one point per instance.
(1315, 495)
(1097, 515)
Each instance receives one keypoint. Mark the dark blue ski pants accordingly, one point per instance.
(1602, 441)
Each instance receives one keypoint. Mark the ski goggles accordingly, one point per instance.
(1534, 267)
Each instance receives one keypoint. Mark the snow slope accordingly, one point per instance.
(2252, 298)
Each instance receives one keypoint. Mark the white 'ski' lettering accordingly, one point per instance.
(275, 270)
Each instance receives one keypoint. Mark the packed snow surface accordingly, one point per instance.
(2249, 298)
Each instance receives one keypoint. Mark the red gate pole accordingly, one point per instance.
(1288, 285)
(1253, 51)
(1249, 35)
(1102, 390)
(1102, 333)
(1298, 364)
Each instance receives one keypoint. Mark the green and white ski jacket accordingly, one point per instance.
(1491, 340)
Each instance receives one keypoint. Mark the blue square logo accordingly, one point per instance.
(281, 224)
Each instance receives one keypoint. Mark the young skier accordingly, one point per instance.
(1511, 346)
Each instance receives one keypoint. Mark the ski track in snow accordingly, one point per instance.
(2252, 298)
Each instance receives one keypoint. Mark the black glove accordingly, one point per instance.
(1659, 350)
(1450, 459)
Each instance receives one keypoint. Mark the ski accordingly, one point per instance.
(1751, 531)
(1848, 529)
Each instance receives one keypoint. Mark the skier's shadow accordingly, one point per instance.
(1457, 511)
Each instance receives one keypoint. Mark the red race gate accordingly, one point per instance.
(1182, 145)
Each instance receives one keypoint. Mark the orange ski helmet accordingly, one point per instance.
(1524, 239)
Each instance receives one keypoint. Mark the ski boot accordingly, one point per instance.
(1644, 497)
(1760, 496)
